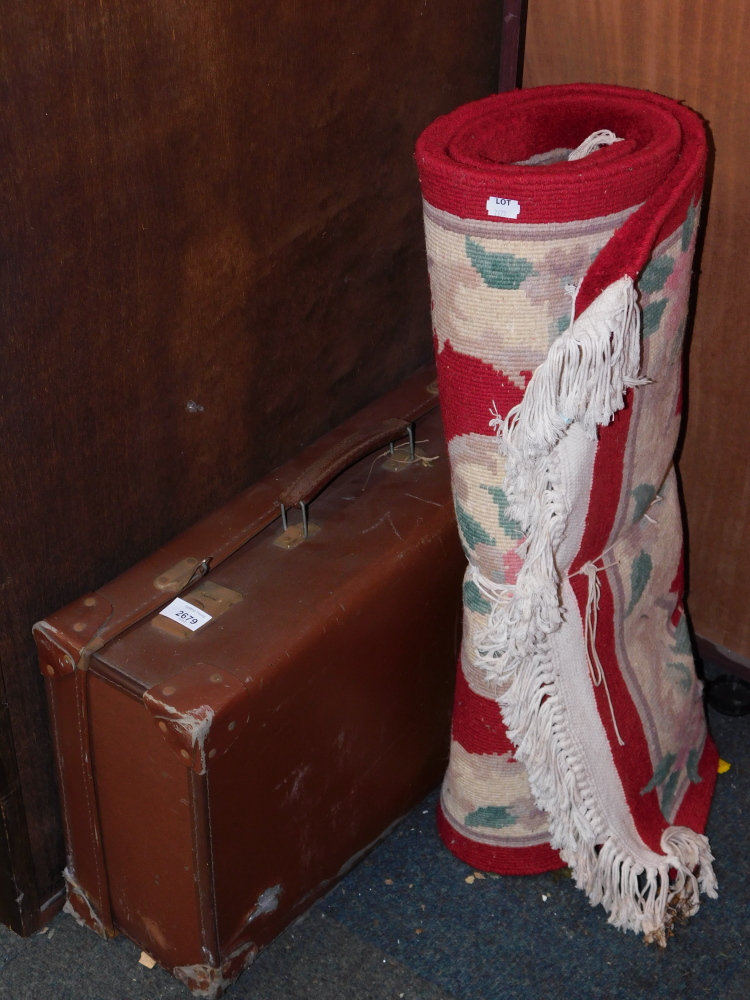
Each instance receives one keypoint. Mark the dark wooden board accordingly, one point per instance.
(212, 253)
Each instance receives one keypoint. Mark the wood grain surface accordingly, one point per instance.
(212, 253)
(696, 52)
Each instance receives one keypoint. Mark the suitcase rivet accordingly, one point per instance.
(216, 678)
(90, 602)
(212, 753)
(169, 689)
(185, 754)
(50, 670)
(231, 726)
(79, 626)
(163, 726)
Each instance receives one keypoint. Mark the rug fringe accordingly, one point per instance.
(584, 379)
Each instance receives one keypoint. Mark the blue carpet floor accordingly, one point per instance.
(406, 925)
(514, 938)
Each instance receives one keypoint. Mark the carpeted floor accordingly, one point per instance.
(407, 924)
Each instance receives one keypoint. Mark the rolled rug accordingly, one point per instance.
(560, 228)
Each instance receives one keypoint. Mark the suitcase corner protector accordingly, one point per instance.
(66, 639)
(201, 711)
(211, 981)
(82, 908)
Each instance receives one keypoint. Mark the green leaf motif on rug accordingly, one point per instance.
(498, 270)
(473, 599)
(682, 638)
(652, 315)
(644, 497)
(471, 530)
(684, 676)
(663, 775)
(687, 227)
(495, 817)
(511, 528)
(691, 766)
(667, 794)
(640, 573)
(656, 274)
(661, 771)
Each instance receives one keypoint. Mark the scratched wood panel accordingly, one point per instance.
(695, 51)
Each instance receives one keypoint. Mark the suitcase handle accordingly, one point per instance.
(314, 480)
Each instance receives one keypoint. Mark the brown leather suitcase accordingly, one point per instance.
(222, 765)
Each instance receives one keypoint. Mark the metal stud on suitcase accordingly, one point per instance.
(240, 716)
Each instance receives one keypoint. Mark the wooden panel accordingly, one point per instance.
(212, 253)
(18, 898)
(695, 51)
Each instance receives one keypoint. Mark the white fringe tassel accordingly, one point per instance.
(583, 378)
(595, 141)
